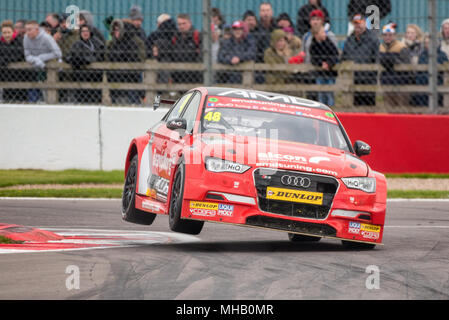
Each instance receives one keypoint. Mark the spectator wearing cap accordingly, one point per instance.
(324, 55)
(303, 19)
(362, 47)
(277, 53)
(393, 52)
(239, 48)
(317, 21)
(136, 19)
(360, 7)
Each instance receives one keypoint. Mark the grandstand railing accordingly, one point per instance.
(343, 89)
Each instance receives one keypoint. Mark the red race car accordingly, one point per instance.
(255, 159)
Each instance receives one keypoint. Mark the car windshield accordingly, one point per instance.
(297, 127)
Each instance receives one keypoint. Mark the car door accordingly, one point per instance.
(161, 160)
(176, 142)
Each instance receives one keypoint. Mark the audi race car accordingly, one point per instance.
(255, 159)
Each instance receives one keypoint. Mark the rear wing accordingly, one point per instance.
(158, 101)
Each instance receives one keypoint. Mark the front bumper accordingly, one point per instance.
(239, 199)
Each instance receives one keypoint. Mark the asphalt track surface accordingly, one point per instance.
(229, 262)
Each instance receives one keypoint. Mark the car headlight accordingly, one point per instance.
(220, 165)
(361, 183)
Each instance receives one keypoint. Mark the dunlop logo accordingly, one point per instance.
(294, 195)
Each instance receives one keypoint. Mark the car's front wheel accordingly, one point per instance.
(129, 211)
(174, 217)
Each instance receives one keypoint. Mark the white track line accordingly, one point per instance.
(107, 199)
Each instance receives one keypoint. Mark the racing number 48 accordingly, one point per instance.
(213, 116)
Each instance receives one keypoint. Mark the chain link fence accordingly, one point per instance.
(356, 56)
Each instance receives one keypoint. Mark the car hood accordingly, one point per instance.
(284, 155)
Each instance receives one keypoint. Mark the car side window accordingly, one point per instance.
(179, 107)
(192, 111)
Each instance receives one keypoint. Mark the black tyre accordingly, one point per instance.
(174, 217)
(129, 211)
(293, 237)
(358, 245)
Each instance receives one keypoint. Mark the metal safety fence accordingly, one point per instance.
(370, 56)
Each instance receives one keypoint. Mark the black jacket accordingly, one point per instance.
(303, 18)
(186, 47)
(325, 51)
(83, 52)
(162, 38)
(363, 50)
(11, 52)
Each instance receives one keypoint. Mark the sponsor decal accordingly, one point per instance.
(354, 227)
(367, 231)
(203, 205)
(205, 209)
(280, 104)
(226, 210)
(163, 163)
(158, 186)
(289, 158)
(295, 195)
(370, 235)
(150, 206)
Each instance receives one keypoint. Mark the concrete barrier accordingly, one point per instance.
(70, 137)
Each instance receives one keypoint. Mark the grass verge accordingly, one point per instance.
(116, 193)
(10, 178)
(417, 194)
(64, 193)
(5, 240)
(418, 175)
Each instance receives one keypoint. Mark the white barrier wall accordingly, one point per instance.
(70, 137)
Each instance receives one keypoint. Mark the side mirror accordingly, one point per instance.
(177, 125)
(361, 148)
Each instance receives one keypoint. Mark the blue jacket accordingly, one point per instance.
(245, 50)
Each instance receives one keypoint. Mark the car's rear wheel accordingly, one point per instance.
(129, 211)
(174, 217)
(358, 245)
(293, 237)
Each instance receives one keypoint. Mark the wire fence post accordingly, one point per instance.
(207, 43)
(433, 57)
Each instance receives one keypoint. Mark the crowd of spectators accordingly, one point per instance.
(257, 36)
